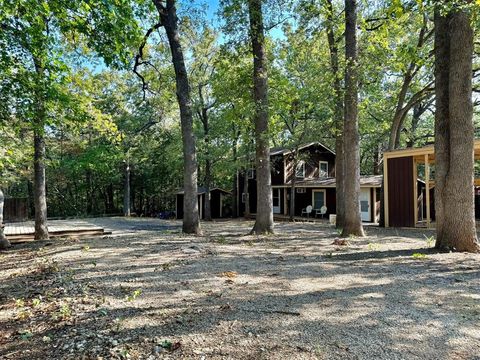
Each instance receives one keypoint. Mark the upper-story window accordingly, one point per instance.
(251, 174)
(300, 170)
(323, 169)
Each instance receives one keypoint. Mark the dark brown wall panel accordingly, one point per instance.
(400, 192)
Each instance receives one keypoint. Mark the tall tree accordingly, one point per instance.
(454, 131)
(168, 19)
(264, 217)
(338, 115)
(352, 222)
(39, 122)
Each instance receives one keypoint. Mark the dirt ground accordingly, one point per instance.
(149, 292)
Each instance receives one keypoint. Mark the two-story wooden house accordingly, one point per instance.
(314, 183)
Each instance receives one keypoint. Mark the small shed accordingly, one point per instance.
(220, 203)
(409, 202)
(15, 209)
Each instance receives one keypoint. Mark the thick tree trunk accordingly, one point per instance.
(454, 133)
(338, 113)
(352, 222)
(126, 190)
(4, 243)
(169, 20)
(39, 190)
(264, 217)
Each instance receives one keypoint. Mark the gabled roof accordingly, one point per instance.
(202, 190)
(288, 150)
(365, 181)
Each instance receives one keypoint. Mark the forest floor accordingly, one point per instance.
(149, 292)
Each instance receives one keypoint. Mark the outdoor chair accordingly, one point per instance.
(322, 211)
(307, 210)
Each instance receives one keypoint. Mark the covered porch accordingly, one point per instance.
(409, 182)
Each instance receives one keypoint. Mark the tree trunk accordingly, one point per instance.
(264, 217)
(88, 179)
(169, 20)
(403, 106)
(39, 190)
(4, 243)
(208, 161)
(352, 222)
(235, 176)
(126, 190)
(377, 159)
(292, 187)
(338, 114)
(246, 213)
(454, 133)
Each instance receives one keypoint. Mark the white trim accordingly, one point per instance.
(320, 169)
(368, 213)
(277, 209)
(324, 197)
(221, 204)
(302, 165)
(322, 186)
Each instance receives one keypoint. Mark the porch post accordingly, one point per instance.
(385, 189)
(415, 193)
(427, 188)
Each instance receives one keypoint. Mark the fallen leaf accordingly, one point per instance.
(229, 274)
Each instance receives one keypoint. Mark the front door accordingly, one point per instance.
(365, 208)
(318, 199)
(276, 201)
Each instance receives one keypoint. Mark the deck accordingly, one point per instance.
(24, 231)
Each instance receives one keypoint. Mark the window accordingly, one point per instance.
(301, 190)
(251, 174)
(300, 170)
(323, 169)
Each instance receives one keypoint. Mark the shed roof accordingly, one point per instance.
(365, 181)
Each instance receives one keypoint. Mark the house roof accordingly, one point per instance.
(202, 190)
(365, 181)
(288, 150)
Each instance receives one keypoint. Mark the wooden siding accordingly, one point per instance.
(400, 192)
(312, 157)
(15, 209)
(302, 200)
(277, 169)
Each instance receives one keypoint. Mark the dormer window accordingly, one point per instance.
(300, 170)
(323, 169)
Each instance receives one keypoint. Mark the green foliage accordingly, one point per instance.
(419, 256)
(134, 295)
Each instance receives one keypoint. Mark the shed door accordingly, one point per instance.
(365, 208)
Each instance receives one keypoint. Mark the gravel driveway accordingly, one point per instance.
(149, 292)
